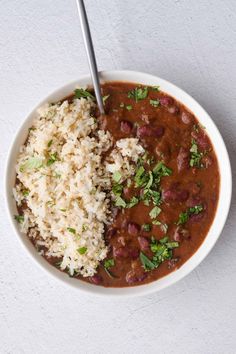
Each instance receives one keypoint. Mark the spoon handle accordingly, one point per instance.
(90, 53)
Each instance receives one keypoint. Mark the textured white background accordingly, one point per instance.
(192, 44)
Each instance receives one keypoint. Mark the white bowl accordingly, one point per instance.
(224, 197)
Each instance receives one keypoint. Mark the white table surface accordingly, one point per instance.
(192, 44)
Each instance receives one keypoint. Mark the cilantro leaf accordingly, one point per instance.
(146, 227)
(184, 216)
(154, 103)
(138, 93)
(195, 156)
(79, 93)
(82, 250)
(108, 263)
(117, 176)
(120, 202)
(154, 212)
(133, 201)
(19, 218)
(71, 230)
(31, 163)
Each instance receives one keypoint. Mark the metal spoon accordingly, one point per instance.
(90, 53)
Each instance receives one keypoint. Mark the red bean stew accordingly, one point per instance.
(163, 214)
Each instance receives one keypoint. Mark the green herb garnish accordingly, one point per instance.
(19, 218)
(50, 143)
(129, 107)
(82, 250)
(162, 250)
(117, 189)
(31, 163)
(25, 193)
(133, 201)
(117, 176)
(154, 212)
(146, 227)
(155, 88)
(195, 157)
(52, 159)
(84, 227)
(71, 230)
(120, 202)
(138, 94)
(108, 263)
(184, 217)
(104, 98)
(79, 93)
(154, 103)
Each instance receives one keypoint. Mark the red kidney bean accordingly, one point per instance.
(148, 131)
(96, 279)
(145, 117)
(163, 151)
(144, 243)
(172, 263)
(121, 240)
(175, 195)
(120, 252)
(158, 131)
(194, 200)
(141, 277)
(133, 228)
(166, 101)
(180, 234)
(186, 118)
(173, 109)
(111, 232)
(127, 192)
(131, 277)
(201, 139)
(194, 188)
(126, 126)
(134, 253)
(207, 161)
(183, 159)
(197, 217)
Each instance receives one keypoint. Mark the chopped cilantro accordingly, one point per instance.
(146, 262)
(52, 159)
(117, 189)
(104, 98)
(84, 227)
(71, 230)
(82, 250)
(195, 157)
(155, 88)
(138, 94)
(184, 216)
(146, 227)
(154, 103)
(31, 163)
(154, 212)
(129, 107)
(120, 202)
(79, 93)
(108, 263)
(117, 176)
(50, 143)
(162, 250)
(25, 193)
(62, 209)
(133, 201)
(19, 218)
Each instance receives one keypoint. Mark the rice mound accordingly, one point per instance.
(65, 183)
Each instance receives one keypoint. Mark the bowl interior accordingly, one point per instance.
(224, 196)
